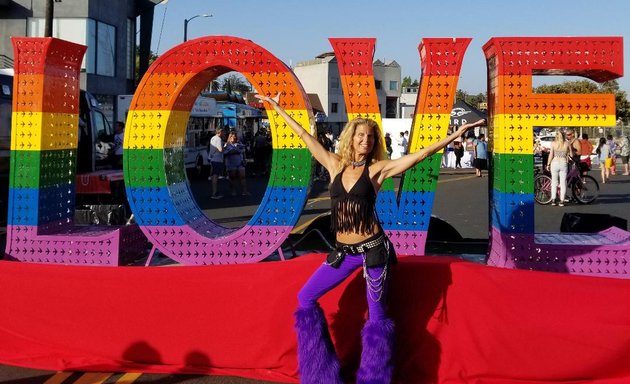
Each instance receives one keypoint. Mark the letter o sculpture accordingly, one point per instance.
(155, 178)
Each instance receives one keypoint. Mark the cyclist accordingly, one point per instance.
(558, 164)
(574, 146)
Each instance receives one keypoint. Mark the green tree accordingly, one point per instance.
(215, 86)
(477, 99)
(460, 95)
(473, 100)
(152, 58)
(579, 86)
(234, 83)
(586, 86)
(408, 82)
(623, 106)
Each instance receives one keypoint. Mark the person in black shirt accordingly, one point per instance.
(459, 153)
(357, 172)
(388, 145)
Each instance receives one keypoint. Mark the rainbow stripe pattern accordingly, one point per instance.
(514, 111)
(155, 179)
(44, 132)
(405, 218)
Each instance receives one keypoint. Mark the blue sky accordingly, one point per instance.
(299, 30)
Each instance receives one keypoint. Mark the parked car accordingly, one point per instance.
(546, 140)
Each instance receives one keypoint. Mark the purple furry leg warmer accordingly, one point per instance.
(317, 358)
(377, 362)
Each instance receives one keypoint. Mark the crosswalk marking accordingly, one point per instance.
(58, 378)
(93, 378)
(128, 378)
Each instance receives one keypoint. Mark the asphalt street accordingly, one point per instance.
(461, 201)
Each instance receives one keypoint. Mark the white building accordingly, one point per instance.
(408, 98)
(387, 76)
(320, 77)
(107, 28)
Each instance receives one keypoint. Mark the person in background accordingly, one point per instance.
(480, 154)
(119, 137)
(262, 152)
(331, 139)
(215, 155)
(537, 147)
(603, 154)
(586, 148)
(234, 154)
(320, 170)
(624, 146)
(388, 145)
(613, 154)
(358, 172)
(574, 146)
(448, 156)
(402, 144)
(558, 165)
(543, 152)
(538, 151)
(459, 153)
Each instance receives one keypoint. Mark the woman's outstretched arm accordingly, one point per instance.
(326, 158)
(395, 167)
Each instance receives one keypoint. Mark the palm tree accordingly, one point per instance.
(235, 83)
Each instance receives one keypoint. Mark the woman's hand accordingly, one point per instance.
(466, 127)
(273, 101)
(328, 159)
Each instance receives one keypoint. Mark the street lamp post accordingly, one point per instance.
(186, 21)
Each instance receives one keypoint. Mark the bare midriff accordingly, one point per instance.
(354, 237)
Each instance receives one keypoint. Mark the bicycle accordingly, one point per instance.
(584, 188)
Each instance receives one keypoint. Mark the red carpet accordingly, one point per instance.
(457, 322)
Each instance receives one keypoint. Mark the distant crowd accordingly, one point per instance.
(228, 156)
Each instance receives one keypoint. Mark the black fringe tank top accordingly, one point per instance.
(353, 210)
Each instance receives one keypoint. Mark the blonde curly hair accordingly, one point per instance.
(346, 151)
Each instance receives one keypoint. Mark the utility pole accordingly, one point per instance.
(50, 10)
(48, 26)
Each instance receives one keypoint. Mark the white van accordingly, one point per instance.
(546, 140)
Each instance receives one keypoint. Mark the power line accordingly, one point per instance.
(157, 49)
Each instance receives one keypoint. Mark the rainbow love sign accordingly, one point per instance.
(45, 125)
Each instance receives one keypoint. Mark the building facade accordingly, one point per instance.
(320, 77)
(408, 99)
(106, 27)
(387, 76)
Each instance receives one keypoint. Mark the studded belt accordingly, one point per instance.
(354, 249)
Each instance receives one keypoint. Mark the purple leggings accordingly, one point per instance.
(326, 278)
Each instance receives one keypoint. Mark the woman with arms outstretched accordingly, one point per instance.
(357, 172)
